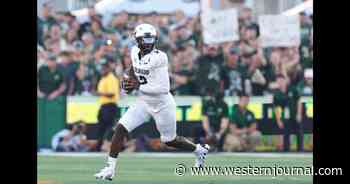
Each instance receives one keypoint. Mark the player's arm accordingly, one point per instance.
(131, 72)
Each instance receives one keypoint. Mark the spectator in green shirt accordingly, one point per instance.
(232, 73)
(207, 69)
(288, 111)
(51, 82)
(243, 134)
(214, 121)
(47, 19)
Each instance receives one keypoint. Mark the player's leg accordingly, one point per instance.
(182, 143)
(134, 117)
(166, 125)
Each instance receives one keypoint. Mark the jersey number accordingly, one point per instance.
(142, 80)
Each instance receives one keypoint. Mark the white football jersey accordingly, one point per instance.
(151, 71)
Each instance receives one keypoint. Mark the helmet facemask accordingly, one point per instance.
(146, 43)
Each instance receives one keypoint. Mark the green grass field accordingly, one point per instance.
(146, 168)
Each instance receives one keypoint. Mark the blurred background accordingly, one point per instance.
(248, 62)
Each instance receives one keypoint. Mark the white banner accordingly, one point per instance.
(279, 30)
(220, 26)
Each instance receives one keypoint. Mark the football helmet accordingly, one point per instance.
(146, 37)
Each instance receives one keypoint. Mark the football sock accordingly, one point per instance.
(198, 147)
(111, 161)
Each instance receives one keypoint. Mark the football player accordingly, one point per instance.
(149, 75)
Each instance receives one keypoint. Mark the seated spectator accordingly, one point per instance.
(243, 134)
(214, 121)
(72, 140)
(50, 80)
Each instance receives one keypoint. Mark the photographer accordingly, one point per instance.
(72, 140)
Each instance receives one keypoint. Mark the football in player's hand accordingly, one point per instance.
(129, 83)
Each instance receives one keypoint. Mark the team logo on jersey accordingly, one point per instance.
(141, 71)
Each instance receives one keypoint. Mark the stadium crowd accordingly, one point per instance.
(78, 49)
